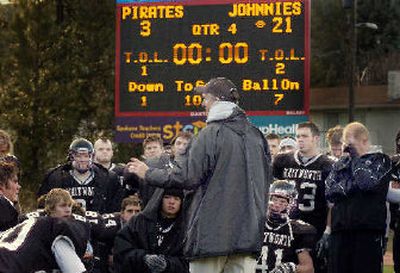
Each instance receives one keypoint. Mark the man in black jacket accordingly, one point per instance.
(228, 169)
(152, 240)
(357, 187)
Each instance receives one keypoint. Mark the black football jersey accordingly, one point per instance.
(283, 242)
(311, 205)
(81, 191)
(92, 193)
(113, 224)
(105, 240)
(96, 224)
(35, 214)
(27, 247)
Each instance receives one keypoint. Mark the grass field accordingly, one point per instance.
(388, 269)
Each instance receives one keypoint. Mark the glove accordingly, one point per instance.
(285, 268)
(350, 150)
(323, 246)
(156, 263)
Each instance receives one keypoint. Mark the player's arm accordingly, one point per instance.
(303, 245)
(305, 262)
(323, 243)
(64, 253)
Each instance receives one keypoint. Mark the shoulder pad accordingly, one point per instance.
(36, 213)
(92, 217)
(59, 167)
(79, 218)
(91, 214)
(301, 227)
(109, 215)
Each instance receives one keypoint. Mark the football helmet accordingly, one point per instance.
(278, 209)
(81, 154)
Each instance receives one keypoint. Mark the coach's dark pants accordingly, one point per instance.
(356, 251)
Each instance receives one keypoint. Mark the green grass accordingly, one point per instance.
(388, 269)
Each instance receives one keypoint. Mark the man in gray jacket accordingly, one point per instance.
(228, 169)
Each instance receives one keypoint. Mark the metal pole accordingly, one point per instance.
(352, 60)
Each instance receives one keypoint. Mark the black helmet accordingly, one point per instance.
(81, 145)
(283, 189)
(77, 146)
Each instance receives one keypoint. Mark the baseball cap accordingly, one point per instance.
(220, 87)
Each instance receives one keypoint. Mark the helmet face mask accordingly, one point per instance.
(82, 161)
(281, 199)
(81, 155)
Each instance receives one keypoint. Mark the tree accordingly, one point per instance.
(57, 78)
(378, 51)
(329, 43)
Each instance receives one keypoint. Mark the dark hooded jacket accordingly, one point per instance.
(228, 168)
(139, 237)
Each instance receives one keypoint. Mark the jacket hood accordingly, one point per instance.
(230, 115)
(221, 110)
(153, 207)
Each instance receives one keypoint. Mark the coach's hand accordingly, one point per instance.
(137, 167)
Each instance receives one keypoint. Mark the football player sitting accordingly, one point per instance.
(287, 243)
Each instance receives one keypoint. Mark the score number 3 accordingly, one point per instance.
(145, 28)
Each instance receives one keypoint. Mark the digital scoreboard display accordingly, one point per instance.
(165, 49)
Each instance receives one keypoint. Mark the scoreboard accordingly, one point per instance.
(165, 49)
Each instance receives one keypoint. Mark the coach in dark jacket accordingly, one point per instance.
(152, 241)
(228, 167)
